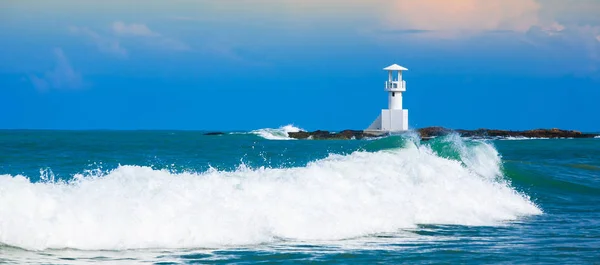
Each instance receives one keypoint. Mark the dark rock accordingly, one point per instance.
(430, 132)
(299, 135)
(349, 134)
(492, 133)
(320, 134)
(326, 135)
(214, 133)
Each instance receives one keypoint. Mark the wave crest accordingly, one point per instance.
(280, 133)
(341, 196)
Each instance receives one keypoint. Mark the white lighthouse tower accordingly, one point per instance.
(394, 118)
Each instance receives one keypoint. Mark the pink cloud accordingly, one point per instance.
(463, 15)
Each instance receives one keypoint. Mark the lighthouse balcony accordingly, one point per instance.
(395, 85)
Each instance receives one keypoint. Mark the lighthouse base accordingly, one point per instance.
(394, 120)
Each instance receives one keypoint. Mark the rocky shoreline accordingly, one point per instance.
(322, 135)
(430, 132)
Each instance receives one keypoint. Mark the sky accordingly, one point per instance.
(243, 65)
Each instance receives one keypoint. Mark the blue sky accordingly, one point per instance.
(241, 65)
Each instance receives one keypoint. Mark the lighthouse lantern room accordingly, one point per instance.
(394, 118)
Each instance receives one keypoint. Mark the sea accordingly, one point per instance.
(182, 197)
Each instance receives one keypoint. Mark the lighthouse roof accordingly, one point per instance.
(395, 67)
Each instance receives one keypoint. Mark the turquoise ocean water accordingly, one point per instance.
(178, 197)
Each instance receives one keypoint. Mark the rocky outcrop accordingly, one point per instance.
(537, 133)
(430, 132)
(323, 135)
(214, 133)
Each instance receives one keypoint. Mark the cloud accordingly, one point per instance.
(142, 30)
(449, 18)
(103, 43)
(129, 34)
(565, 33)
(63, 76)
(553, 29)
(577, 45)
(145, 34)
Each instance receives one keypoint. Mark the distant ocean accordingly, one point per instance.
(181, 197)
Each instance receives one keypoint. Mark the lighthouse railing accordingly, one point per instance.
(395, 84)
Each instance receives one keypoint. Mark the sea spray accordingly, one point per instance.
(280, 133)
(522, 138)
(341, 196)
(479, 156)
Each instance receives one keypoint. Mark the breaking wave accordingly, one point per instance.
(280, 133)
(342, 196)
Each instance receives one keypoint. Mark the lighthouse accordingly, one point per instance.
(394, 118)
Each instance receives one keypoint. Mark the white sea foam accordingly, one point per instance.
(511, 138)
(342, 196)
(277, 134)
(598, 136)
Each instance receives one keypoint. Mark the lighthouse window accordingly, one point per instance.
(393, 94)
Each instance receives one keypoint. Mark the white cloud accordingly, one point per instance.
(129, 34)
(577, 45)
(104, 44)
(149, 37)
(553, 29)
(63, 76)
(133, 29)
